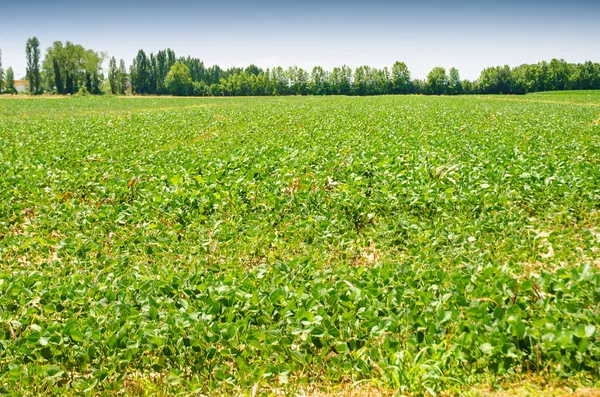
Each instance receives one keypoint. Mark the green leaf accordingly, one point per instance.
(486, 348)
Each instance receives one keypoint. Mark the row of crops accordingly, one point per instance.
(219, 246)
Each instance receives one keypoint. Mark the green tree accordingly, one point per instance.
(122, 77)
(161, 71)
(179, 81)
(32, 53)
(400, 78)
(253, 70)
(113, 76)
(67, 67)
(454, 83)
(299, 80)
(10, 81)
(468, 87)
(437, 81)
(558, 74)
(496, 80)
(1, 73)
(318, 81)
(141, 74)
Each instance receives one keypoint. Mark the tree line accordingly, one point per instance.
(70, 68)
(65, 69)
(165, 74)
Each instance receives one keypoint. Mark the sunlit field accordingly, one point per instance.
(294, 244)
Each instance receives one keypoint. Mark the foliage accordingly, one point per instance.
(33, 54)
(1, 74)
(179, 81)
(68, 67)
(213, 246)
(113, 76)
(400, 78)
(496, 80)
(454, 83)
(9, 82)
(437, 81)
(83, 91)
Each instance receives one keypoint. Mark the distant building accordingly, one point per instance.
(21, 85)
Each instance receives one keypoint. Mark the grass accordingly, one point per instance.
(420, 245)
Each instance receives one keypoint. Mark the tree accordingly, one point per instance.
(496, 80)
(454, 83)
(113, 76)
(122, 77)
(419, 86)
(32, 53)
(179, 81)
(1, 73)
(67, 67)
(437, 81)
(253, 70)
(558, 74)
(318, 81)
(468, 87)
(298, 80)
(345, 80)
(10, 81)
(141, 75)
(400, 78)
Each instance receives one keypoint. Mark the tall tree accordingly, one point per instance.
(122, 77)
(1, 73)
(161, 71)
(318, 81)
(113, 76)
(454, 83)
(400, 78)
(32, 53)
(10, 81)
(141, 73)
(437, 81)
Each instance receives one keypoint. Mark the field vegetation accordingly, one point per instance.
(411, 244)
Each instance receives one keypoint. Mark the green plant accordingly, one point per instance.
(210, 245)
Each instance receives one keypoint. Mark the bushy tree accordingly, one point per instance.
(179, 81)
(200, 88)
(496, 80)
(469, 87)
(419, 86)
(400, 78)
(68, 67)
(437, 81)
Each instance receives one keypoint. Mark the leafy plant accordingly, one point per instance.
(419, 244)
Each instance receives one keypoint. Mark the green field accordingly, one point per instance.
(220, 245)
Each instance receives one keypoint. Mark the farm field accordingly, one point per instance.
(424, 245)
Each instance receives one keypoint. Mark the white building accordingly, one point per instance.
(21, 85)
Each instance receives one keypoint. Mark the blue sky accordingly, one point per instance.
(466, 34)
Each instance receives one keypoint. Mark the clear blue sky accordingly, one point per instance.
(466, 34)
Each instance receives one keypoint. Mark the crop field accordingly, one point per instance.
(420, 245)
